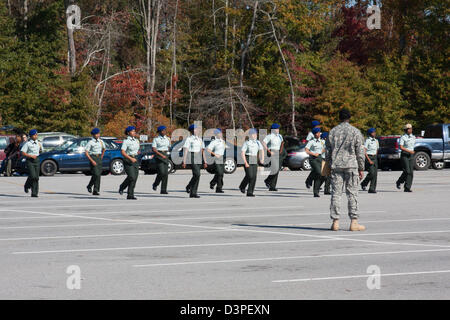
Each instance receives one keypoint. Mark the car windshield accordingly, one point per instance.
(64, 146)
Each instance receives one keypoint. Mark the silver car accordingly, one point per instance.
(297, 158)
(51, 140)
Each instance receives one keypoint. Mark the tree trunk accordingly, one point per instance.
(294, 129)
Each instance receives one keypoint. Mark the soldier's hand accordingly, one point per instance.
(371, 162)
(205, 165)
(94, 163)
(133, 160)
(164, 157)
(361, 174)
(184, 165)
(247, 165)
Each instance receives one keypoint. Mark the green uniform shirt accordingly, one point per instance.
(217, 146)
(408, 141)
(194, 144)
(251, 147)
(273, 141)
(131, 146)
(161, 143)
(95, 146)
(32, 147)
(316, 145)
(371, 146)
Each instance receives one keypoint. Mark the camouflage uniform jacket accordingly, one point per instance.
(345, 147)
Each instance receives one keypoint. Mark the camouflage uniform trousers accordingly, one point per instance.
(348, 179)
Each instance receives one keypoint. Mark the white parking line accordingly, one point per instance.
(220, 228)
(363, 276)
(288, 258)
(195, 232)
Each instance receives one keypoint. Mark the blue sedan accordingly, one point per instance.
(71, 157)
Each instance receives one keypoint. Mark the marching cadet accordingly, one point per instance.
(196, 147)
(250, 150)
(274, 145)
(309, 137)
(130, 149)
(217, 149)
(160, 146)
(326, 179)
(31, 150)
(345, 154)
(407, 142)
(95, 150)
(315, 148)
(371, 147)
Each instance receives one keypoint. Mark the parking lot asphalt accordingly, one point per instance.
(222, 246)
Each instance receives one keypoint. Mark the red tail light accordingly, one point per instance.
(396, 144)
(292, 154)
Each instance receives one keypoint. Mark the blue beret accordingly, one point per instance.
(252, 131)
(370, 130)
(315, 123)
(324, 135)
(161, 128)
(217, 131)
(315, 130)
(32, 132)
(95, 131)
(130, 128)
(192, 127)
(275, 126)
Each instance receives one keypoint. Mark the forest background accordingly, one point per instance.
(229, 63)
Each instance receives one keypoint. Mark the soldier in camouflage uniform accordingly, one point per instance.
(345, 154)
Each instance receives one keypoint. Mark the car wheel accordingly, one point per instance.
(229, 166)
(305, 165)
(171, 167)
(117, 167)
(421, 161)
(438, 165)
(48, 168)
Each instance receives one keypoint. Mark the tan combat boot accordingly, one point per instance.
(355, 226)
(335, 225)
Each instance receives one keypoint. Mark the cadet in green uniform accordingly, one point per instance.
(371, 147)
(407, 142)
(160, 147)
(217, 149)
(274, 145)
(250, 150)
(31, 150)
(309, 137)
(196, 147)
(95, 149)
(315, 148)
(130, 149)
(327, 179)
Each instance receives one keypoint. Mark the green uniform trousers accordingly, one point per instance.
(272, 179)
(407, 161)
(162, 168)
(327, 181)
(373, 172)
(96, 172)
(316, 167)
(132, 171)
(195, 167)
(219, 172)
(33, 176)
(250, 175)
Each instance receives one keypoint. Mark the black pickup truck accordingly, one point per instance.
(432, 149)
